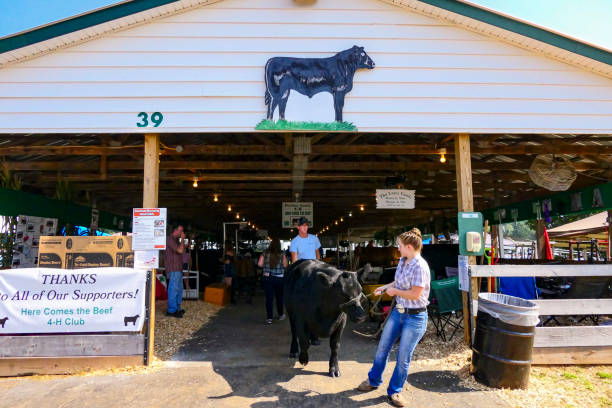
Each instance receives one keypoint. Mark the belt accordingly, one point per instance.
(402, 309)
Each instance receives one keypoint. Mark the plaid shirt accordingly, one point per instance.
(409, 274)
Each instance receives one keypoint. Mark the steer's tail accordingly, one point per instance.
(268, 97)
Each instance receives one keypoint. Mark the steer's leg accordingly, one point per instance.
(282, 104)
(293, 351)
(334, 344)
(304, 339)
(338, 105)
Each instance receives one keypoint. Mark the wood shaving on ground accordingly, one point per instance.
(549, 386)
(171, 332)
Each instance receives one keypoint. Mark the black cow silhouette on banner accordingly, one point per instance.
(309, 76)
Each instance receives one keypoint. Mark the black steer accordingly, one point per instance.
(318, 298)
(309, 76)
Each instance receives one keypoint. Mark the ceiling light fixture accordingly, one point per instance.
(443, 157)
(229, 208)
(216, 198)
(195, 182)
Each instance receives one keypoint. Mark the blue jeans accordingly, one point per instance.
(175, 291)
(411, 328)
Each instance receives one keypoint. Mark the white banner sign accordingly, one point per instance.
(148, 229)
(46, 300)
(394, 199)
(293, 211)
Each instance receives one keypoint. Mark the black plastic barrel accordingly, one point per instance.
(503, 343)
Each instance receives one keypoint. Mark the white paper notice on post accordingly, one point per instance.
(464, 279)
(148, 229)
(146, 259)
(47, 300)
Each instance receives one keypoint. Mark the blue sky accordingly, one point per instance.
(588, 20)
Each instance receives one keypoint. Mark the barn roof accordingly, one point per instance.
(86, 26)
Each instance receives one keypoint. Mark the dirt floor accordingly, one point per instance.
(228, 357)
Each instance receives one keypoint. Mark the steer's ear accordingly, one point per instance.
(325, 279)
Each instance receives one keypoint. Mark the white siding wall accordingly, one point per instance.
(203, 69)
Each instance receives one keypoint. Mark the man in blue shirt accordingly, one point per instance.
(304, 245)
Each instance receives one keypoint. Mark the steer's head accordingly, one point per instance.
(363, 59)
(346, 294)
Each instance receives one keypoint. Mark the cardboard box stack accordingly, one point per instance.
(85, 252)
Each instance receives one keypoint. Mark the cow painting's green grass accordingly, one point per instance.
(321, 126)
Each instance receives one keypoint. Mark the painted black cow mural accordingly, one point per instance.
(309, 76)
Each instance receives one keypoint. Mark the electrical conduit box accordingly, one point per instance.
(471, 233)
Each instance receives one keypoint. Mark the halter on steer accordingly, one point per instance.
(353, 302)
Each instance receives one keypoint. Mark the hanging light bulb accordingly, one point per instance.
(361, 208)
(443, 155)
(336, 222)
(341, 219)
(229, 208)
(249, 223)
(195, 182)
(216, 198)
(350, 213)
(237, 216)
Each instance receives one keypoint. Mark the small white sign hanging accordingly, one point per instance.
(394, 199)
(292, 212)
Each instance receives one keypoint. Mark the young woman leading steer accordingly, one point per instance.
(408, 320)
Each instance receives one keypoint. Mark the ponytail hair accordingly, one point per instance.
(413, 238)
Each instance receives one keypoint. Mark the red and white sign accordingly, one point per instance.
(148, 229)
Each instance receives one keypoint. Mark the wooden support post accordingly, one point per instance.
(149, 200)
(541, 250)
(465, 200)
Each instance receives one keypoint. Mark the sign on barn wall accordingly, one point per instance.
(394, 199)
(45, 300)
(293, 211)
(310, 76)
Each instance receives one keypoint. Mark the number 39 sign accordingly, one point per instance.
(156, 118)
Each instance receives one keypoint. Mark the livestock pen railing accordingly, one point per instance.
(560, 344)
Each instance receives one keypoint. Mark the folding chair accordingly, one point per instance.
(446, 309)
(589, 287)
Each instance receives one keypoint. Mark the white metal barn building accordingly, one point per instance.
(441, 66)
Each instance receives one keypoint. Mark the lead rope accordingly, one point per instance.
(382, 326)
